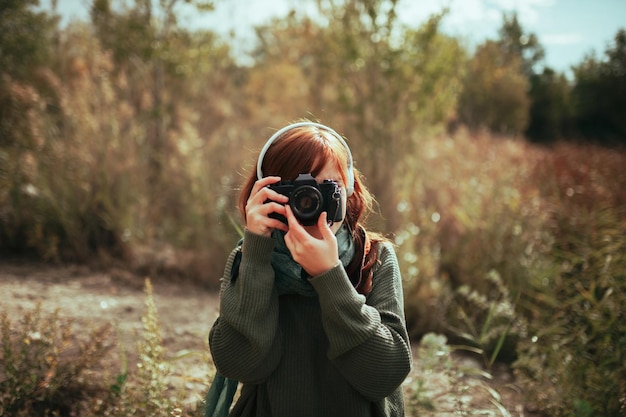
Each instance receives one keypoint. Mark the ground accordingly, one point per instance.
(186, 312)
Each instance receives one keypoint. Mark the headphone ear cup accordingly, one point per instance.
(350, 186)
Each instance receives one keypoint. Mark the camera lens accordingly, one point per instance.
(306, 203)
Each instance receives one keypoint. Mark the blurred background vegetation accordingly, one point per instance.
(123, 140)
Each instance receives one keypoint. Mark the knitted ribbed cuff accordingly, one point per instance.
(258, 248)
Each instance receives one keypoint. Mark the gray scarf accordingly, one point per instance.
(290, 277)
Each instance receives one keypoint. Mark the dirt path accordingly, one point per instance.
(186, 312)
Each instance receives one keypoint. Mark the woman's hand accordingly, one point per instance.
(314, 249)
(258, 208)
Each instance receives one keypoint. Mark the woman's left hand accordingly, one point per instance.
(316, 252)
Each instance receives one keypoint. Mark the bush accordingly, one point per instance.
(144, 393)
(444, 386)
(75, 173)
(479, 215)
(550, 225)
(46, 371)
(488, 322)
(572, 361)
(43, 366)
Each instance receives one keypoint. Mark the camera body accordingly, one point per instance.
(308, 199)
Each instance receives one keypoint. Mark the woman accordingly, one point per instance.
(311, 309)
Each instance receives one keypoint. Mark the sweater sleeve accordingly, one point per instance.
(244, 341)
(368, 340)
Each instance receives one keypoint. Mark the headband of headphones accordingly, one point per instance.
(259, 171)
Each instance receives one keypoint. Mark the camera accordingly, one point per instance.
(308, 199)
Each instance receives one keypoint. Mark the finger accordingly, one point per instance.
(277, 224)
(259, 213)
(270, 194)
(260, 222)
(262, 183)
(272, 207)
(295, 228)
(265, 181)
(291, 218)
(324, 228)
(261, 192)
(322, 222)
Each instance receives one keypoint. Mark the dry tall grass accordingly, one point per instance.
(505, 244)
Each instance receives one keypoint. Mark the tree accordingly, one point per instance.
(149, 47)
(550, 111)
(24, 37)
(495, 92)
(25, 46)
(518, 45)
(549, 92)
(615, 75)
(598, 94)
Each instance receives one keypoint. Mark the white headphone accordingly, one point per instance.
(349, 185)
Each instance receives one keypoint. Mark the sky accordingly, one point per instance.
(567, 29)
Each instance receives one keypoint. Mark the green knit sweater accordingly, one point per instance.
(336, 354)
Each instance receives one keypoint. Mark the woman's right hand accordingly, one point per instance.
(258, 208)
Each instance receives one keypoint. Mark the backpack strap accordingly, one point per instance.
(367, 246)
(360, 280)
(234, 269)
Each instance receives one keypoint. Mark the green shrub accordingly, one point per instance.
(43, 366)
(148, 389)
(444, 386)
(550, 224)
(142, 391)
(148, 393)
(573, 362)
(75, 176)
(46, 371)
(487, 322)
(470, 210)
